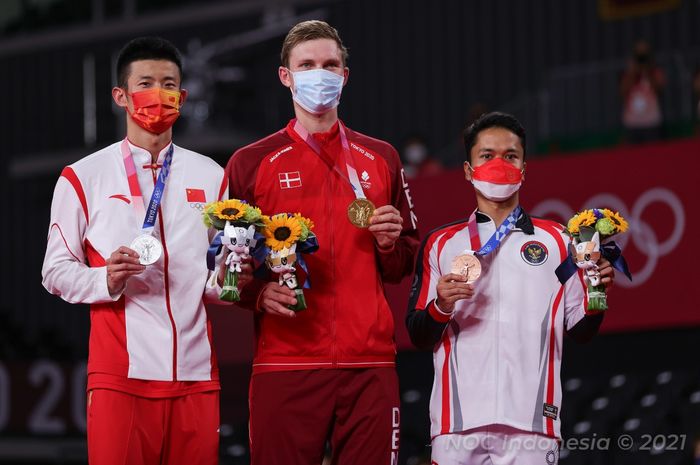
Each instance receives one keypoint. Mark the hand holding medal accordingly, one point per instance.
(360, 211)
(466, 268)
(146, 245)
(467, 265)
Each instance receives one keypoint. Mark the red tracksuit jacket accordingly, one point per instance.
(348, 322)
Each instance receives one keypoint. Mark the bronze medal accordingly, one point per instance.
(468, 266)
(360, 211)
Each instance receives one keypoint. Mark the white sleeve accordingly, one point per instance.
(65, 272)
(212, 290)
(574, 300)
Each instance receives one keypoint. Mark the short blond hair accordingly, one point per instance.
(310, 30)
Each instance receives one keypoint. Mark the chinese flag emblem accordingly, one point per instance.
(196, 195)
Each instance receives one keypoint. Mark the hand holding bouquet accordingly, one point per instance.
(591, 231)
(288, 237)
(238, 224)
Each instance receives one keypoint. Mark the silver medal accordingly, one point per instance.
(148, 248)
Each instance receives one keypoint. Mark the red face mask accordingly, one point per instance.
(155, 109)
(498, 171)
(497, 179)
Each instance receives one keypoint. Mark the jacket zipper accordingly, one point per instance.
(331, 219)
(166, 282)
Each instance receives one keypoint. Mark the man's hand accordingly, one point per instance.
(607, 273)
(385, 224)
(275, 298)
(244, 277)
(121, 265)
(451, 288)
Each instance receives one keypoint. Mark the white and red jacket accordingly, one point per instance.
(157, 328)
(348, 322)
(497, 356)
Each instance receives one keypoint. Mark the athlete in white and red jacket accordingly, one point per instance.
(152, 376)
(497, 341)
(331, 366)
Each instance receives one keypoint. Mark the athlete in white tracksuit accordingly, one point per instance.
(153, 381)
(497, 342)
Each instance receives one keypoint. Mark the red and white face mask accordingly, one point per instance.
(497, 179)
(156, 109)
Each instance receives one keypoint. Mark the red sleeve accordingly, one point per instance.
(241, 173)
(398, 262)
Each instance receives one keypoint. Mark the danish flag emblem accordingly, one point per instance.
(290, 180)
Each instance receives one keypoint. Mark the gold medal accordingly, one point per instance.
(360, 211)
(468, 266)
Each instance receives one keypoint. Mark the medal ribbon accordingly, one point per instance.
(151, 212)
(313, 144)
(497, 237)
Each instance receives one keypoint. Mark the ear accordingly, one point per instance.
(183, 96)
(346, 75)
(119, 96)
(468, 170)
(523, 171)
(285, 76)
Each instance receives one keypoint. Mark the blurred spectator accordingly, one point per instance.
(641, 86)
(417, 160)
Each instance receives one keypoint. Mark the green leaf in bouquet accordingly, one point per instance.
(217, 222)
(586, 233)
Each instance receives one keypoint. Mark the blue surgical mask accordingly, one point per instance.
(317, 90)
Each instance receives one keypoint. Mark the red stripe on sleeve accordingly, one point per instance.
(72, 178)
(446, 387)
(552, 228)
(437, 316)
(449, 234)
(550, 369)
(55, 225)
(555, 231)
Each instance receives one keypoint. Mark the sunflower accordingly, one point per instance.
(587, 218)
(230, 210)
(281, 231)
(621, 224)
(574, 224)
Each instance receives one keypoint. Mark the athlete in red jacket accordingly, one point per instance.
(330, 368)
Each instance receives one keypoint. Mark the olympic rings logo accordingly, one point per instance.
(197, 205)
(640, 232)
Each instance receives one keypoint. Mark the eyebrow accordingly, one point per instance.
(151, 78)
(490, 149)
(336, 61)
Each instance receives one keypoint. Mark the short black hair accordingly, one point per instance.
(145, 48)
(494, 119)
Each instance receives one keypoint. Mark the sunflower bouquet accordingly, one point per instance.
(591, 231)
(239, 226)
(288, 237)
